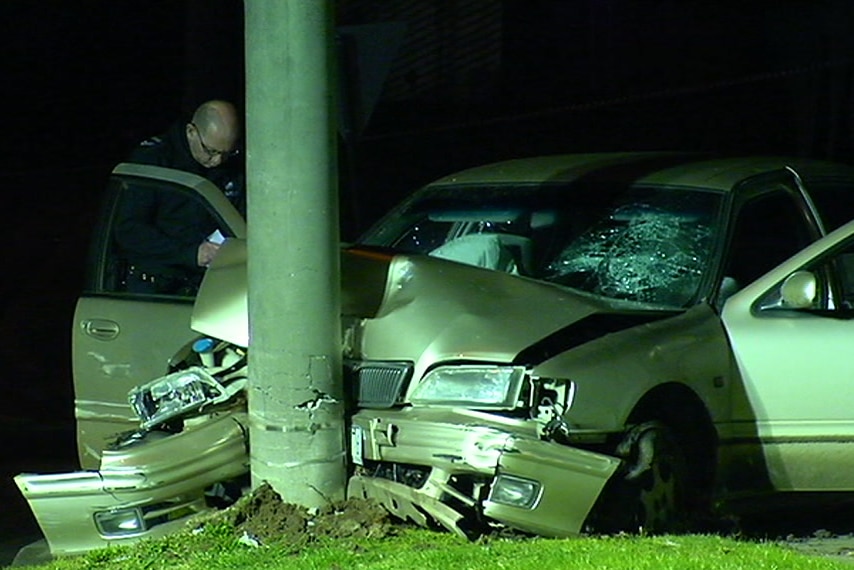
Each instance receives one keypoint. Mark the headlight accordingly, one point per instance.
(515, 491)
(475, 386)
(178, 393)
(120, 522)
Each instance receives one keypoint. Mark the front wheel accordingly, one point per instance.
(647, 495)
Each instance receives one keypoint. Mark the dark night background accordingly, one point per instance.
(471, 81)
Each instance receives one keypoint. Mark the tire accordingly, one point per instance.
(647, 495)
(658, 485)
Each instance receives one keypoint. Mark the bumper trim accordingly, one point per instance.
(406, 503)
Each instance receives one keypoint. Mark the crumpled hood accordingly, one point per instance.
(221, 309)
(437, 310)
(417, 308)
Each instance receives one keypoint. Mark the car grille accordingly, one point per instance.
(377, 384)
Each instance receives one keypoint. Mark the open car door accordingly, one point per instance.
(122, 338)
(791, 333)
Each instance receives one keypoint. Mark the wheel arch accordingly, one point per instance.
(680, 409)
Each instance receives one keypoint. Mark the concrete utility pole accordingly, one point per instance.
(296, 406)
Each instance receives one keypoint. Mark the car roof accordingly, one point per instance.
(659, 168)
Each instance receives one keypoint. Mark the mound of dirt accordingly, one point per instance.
(263, 518)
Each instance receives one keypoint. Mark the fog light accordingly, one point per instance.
(120, 522)
(515, 491)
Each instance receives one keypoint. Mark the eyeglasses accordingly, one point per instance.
(212, 152)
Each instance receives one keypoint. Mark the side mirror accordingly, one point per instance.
(798, 290)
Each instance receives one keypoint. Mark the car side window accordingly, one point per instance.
(768, 230)
(147, 241)
(823, 287)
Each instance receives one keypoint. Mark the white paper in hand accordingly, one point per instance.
(216, 237)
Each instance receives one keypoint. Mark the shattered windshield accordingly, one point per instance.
(651, 245)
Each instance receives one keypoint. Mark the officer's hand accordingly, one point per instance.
(207, 252)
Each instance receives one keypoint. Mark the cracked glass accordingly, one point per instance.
(654, 248)
(651, 245)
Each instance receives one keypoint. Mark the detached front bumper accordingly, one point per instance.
(463, 470)
(145, 490)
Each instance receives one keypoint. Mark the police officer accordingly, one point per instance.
(165, 235)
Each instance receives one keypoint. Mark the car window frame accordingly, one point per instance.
(200, 188)
(747, 191)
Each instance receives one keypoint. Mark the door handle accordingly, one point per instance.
(102, 329)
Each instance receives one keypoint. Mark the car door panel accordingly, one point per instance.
(121, 338)
(797, 375)
(117, 344)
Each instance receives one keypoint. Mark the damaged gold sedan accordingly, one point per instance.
(576, 343)
(551, 345)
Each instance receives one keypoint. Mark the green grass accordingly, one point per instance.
(217, 548)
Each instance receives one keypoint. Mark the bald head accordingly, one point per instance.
(213, 132)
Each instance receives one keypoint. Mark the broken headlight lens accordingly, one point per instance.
(176, 394)
(475, 386)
